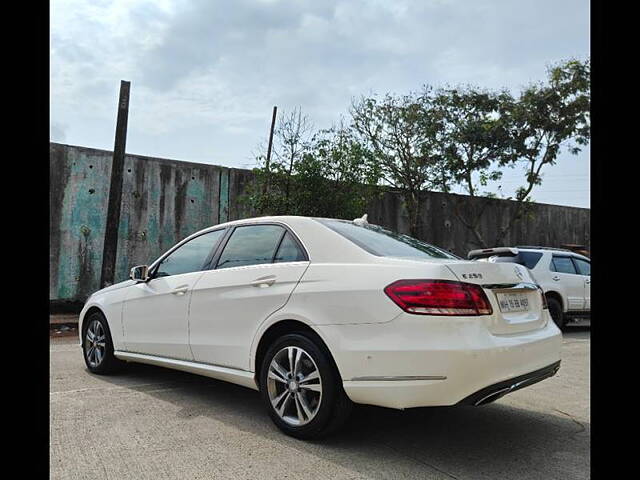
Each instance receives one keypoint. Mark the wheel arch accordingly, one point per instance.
(284, 327)
(90, 310)
(557, 296)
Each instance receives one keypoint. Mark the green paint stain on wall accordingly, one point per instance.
(82, 224)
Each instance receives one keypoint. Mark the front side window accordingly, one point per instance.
(563, 265)
(191, 256)
(584, 267)
(251, 245)
(385, 243)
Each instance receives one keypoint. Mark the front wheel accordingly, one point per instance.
(97, 346)
(302, 389)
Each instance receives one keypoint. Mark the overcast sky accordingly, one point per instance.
(205, 74)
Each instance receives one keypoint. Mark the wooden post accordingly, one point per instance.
(115, 189)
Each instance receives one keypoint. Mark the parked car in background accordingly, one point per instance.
(564, 275)
(318, 314)
(576, 248)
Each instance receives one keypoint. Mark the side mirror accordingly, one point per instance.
(140, 273)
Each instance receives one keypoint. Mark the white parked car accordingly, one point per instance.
(319, 313)
(565, 277)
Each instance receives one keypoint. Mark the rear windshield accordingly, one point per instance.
(385, 243)
(527, 259)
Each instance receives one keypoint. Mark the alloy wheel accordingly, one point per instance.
(95, 343)
(294, 386)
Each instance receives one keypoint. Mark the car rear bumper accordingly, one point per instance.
(417, 362)
(493, 392)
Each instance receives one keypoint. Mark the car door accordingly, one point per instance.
(252, 277)
(584, 269)
(155, 312)
(565, 273)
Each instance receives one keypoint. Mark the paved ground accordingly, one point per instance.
(152, 423)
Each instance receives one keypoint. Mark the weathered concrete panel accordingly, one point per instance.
(239, 180)
(544, 225)
(163, 201)
(79, 190)
(223, 200)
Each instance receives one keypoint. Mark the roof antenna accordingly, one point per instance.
(361, 221)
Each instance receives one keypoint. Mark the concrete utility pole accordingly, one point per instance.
(115, 190)
(265, 185)
(273, 124)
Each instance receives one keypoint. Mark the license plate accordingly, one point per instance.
(513, 302)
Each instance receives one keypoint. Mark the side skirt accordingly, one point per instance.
(232, 375)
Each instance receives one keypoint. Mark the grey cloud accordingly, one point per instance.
(57, 133)
(300, 50)
(219, 66)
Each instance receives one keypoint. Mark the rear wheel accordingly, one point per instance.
(555, 310)
(302, 389)
(97, 346)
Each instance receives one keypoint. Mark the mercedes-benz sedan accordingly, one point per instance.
(318, 314)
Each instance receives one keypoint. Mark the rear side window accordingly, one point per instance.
(527, 259)
(289, 251)
(584, 267)
(563, 265)
(251, 245)
(384, 243)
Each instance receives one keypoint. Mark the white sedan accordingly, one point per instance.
(318, 314)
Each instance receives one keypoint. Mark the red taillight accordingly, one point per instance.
(439, 297)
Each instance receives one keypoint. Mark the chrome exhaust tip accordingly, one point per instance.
(493, 396)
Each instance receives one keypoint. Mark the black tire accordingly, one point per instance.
(106, 362)
(333, 408)
(555, 310)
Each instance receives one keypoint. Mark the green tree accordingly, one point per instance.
(404, 135)
(477, 142)
(486, 131)
(270, 192)
(327, 173)
(294, 132)
(545, 118)
(460, 137)
(337, 176)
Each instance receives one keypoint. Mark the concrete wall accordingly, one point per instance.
(544, 225)
(164, 201)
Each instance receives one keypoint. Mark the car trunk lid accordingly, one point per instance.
(514, 295)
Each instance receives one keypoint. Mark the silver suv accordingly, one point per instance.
(565, 277)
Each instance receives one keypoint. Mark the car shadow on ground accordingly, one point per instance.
(493, 441)
(577, 331)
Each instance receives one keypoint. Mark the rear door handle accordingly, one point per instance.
(587, 282)
(264, 282)
(555, 277)
(180, 290)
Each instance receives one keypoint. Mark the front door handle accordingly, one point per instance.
(180, 290)
(264, 282)
(587, 281)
